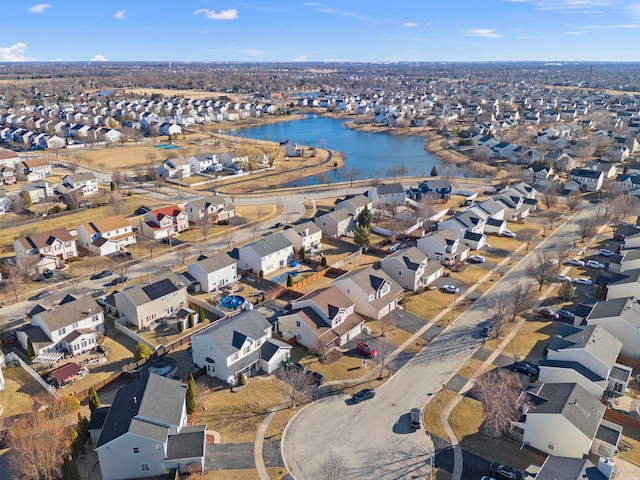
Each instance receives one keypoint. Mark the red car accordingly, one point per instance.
(366, 350)
(8, 338)
(548, 313)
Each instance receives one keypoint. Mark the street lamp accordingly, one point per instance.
(431, 453)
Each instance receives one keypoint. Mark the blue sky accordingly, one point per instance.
(326, 30)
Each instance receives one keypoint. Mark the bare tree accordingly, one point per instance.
(586, 228)
(183, 253)
(573, 201)
(333, 467)
(562, 249)
(550, 195)
(204, 224)
(542, 270)
(386, 324)
(383, 352)
(351, 174)
(481, 154)
(552, 217)
(13, 280)
(521, 300)
(150, 245)
(498, 392)
(116, 203)
(299, 383)
(527, 235)
(228, 238)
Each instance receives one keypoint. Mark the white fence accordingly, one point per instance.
(11, 357)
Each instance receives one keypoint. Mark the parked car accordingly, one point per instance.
(484, 477)
(508, 233)
(582, 281)
(595, 201)
(449, 289)
(548, 313)
(619, 237)
(505, 471)
(47, 273)
(476, 259)
(8, 338)
(552, 261)
(365, 394)
(141, 210)
(415, 416)
(605, 252)
(595, 264)
(561, 277)
(40, 295)
(295, 366)
(118, 281)
(102, 274)
(278, 225)
(486, 330)
(366, 350)
(315, 377)
(564, 314)
(575, 262)
(527, 368)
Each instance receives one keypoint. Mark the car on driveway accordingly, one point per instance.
(366, 350)
(295, 366)
(508, 233)
(566, 315)
(315, 377)
(47, 273)
(8, 338)
(502, 471)
(575, 262)
(582, 281)
(561, 277)
(476, 259)
(415, 416)
(486, 330)
(449, 289)
(605, 252)
(527, 368)
(548, 313)
(40, 295)
(102, 274)
(365, 394)
(595, 264)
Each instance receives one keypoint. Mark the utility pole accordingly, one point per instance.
(431, 454)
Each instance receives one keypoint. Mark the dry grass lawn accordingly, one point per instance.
(316, 284)
(431, 413)
(633, 437)
(346, 367)
(251, 213)
(466, 417)
(532, 339)
(20, 388)
(471, 366)
(275, 473)
(428, 304)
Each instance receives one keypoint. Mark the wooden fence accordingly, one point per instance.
(629, 362)
(620, 418)
(316, 276)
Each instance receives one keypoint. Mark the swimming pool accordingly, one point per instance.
(165, 146)
(231, 302)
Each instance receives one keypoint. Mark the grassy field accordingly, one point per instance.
(428, 304)
(431, 413)
(20, 388)
(532, 339)
(275, 473)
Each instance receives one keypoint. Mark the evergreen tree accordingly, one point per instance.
(289, 280)
(362, 236)
(142, 351)
(191, 320)
(94, 400)
(242, 379)
(202, 316)
(192, 401)
(566, 291)
(30, 352)
(70, 469)
(323, 262)
(434, 171)
(365, 218)
(302, 253)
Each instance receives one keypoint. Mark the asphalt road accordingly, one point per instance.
(373, 438)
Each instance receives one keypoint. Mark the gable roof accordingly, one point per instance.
(217, 262)
(45, 239)
(270, 244)
(593, 338)
(107, 224)
(68, 313)
(162, 284)
(410, 257)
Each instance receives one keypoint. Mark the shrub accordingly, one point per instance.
(191, 320)
(566, 291)
(242, 379)
(191, 399)
(261, 273)
(94, 400)
(142, 351)
(73, 259)
(289, 280)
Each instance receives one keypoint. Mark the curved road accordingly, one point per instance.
(373, 438)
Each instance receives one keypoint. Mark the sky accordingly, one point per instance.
(320, 31)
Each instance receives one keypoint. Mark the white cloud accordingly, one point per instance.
(409, 24)
(301, 58)
(320, 8)
(625, 26)
(120, 14)
(634, 9)
(229, 14)
(573, 34)
(252, 51)
(99, 58)
(481, 32)
(14, 53)
(40, 8)
(575, 6)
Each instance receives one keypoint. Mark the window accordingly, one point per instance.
(145, 467)
(246, 350)
(550, 446)
(157, 448)
(136, 449)
(62, 331)
(96, 318)
(297, 323)
(75, 325)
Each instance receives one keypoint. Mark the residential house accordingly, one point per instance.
(628, 260)
(72, 326)
(337, 223)
(320, 320)
(373, 292)
(444, 246)
(565, 468)
(589, 180)
(493, 214)
(627, 183)
(291, 149)
(174, 168)
(561, 161)
(587, 356)
(205, 162)
(8, 158)
(441, 188)
(213, 273)
(236, 345)
(539, 175)
(620, 285)
(52, 247)
(306, 235)
(145, 432)
(38, 191)
(4, 203)
(215, 209)
(142, 304)
(564, 419)
(169, 129)
(388, 194)
(621, 318)
(469, 226)
(106, 235)
(234, 160)
(265, 255)
(411, 269)
(31, 168)
(85, 182)
(7, 175)
(354, 204)
(164, 222)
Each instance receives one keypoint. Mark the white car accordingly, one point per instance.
(605, 252)
(575, 262)
(595, 264)
(552, 261)
(476, 259)
(561, 277)
(508, 233)
(449, 289)
(582, 281)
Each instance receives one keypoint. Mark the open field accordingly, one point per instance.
(532, 339)
(20, 390)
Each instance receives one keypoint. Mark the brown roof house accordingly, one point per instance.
(51, 248)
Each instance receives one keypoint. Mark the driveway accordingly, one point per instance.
(366, 435)
(239, 456)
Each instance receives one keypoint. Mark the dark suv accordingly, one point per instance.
(505, 471)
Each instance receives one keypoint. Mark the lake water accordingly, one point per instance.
(371, 155)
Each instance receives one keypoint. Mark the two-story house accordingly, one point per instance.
(322, 319)
(587, 356)
(393, 193)
(26, 169)
(589, 180)
(354, 204)
(214, 209)
(440, 188)
(145, 303)
(336, 223)
(145, 433)
(86, 182)
(469, 226)
(443, 246)
(52, 247)
(305, 235)
(72, 326)
(105, 236)
(213, 273)
(373, 292)
(174, 168)
(204, 162)
(621, 318)
(411, 269)
(539, 174)
(164, 222)
(240, 344)
(265, 255)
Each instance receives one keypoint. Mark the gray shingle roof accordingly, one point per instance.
(189, 443)
(593, 338)
(217, 262)
(565, 468)
(270, 244)
(69, 313)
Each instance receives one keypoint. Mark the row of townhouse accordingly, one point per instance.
(205, 163)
